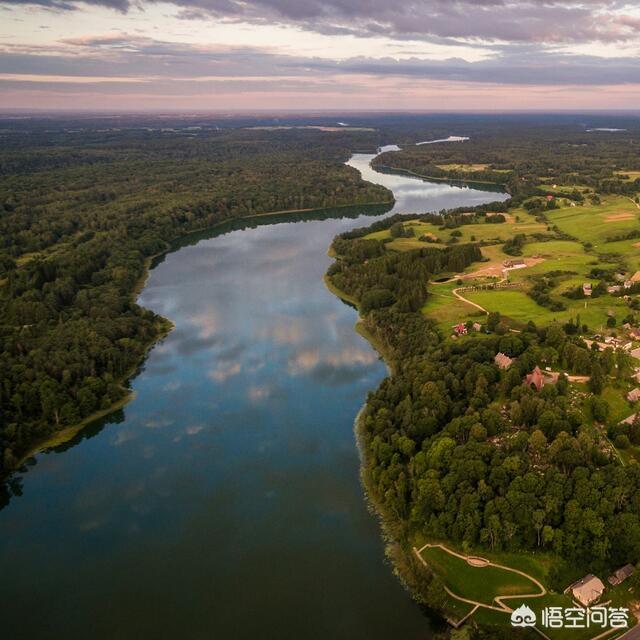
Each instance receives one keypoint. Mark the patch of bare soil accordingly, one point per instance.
(618, 217)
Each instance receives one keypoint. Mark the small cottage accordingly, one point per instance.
(588, 590)
(503, 361)
(460, 329)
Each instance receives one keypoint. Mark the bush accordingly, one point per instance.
(622, 442)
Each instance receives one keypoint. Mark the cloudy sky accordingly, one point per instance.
(319, 54)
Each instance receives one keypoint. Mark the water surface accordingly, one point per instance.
(224, 501)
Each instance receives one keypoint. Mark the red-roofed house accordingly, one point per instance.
(460, 329)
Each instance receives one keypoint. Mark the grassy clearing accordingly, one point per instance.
(630, 175)
(463, 167)
(481, 584)
(513, 304)
(518, 306)
(589, 223)
(522, 222)
(446, 310)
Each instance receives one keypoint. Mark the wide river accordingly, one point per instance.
(224, 501)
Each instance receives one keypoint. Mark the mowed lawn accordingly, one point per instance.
(481, 584)
(617, 215)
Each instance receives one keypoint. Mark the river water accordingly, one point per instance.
(224, 501)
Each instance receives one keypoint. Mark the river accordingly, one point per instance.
(224, 501)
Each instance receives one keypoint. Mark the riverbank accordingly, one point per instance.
(398, 551)
(66, 434)
(360, 326)
(394, 533)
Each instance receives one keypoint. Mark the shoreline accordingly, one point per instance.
(392, 530)
(65, 434)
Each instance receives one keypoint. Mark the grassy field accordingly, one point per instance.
(520, 222)
(518, 306)
(447, 310)
(589, 223)
(463, 167)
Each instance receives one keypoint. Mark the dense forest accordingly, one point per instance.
(458, 449)
(81, 213)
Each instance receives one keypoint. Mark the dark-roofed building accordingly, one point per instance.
(621, 574)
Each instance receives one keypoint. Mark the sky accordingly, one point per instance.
(230, 55)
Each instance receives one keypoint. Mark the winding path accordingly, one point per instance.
(467, 301)
(475, 561)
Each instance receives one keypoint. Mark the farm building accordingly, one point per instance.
(588, 590)
(503, 361)
(621, 574)
(514, 264)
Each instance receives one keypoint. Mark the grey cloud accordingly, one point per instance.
(549, 21)
(121, 56)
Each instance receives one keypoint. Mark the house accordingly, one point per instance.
(621, 574)
(460, 329)
(635, 277)
(588, 590)
(503, 361)
(549, 198)
(614, 288)
(477, 326)
(635, 353)
(633, 395)
(587, 289)
(629, 420)
(535, 379)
